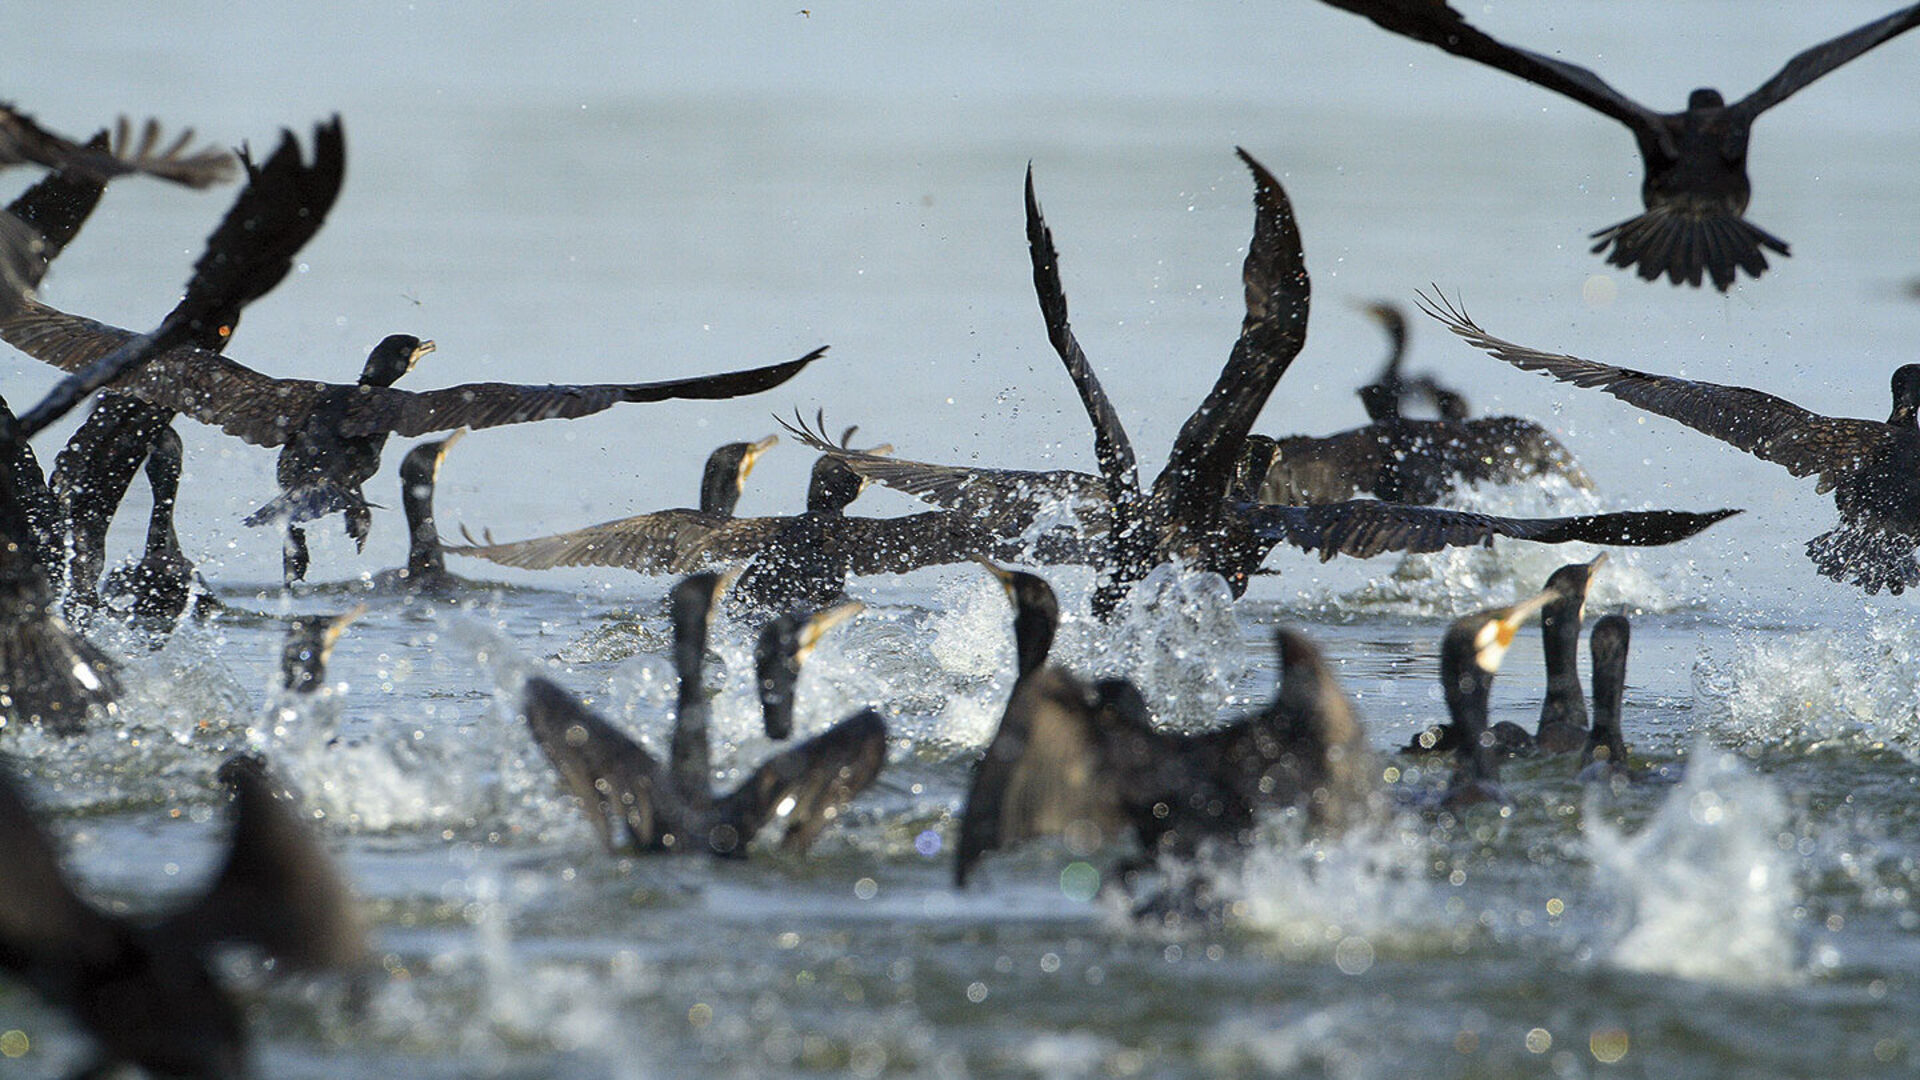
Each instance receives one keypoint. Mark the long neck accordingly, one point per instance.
(1560, 639)
(1467, 688)
(1033, 639)
(720, 486)
(691, 761)
(1609, 687)
(423, 545)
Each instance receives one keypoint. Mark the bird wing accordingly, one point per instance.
(278, 888)
(1438, 24)
(679, 541)
(1310, 469)
(23, 140)
(1824, 57)
(804, 788)
(42, 921)
(1505, 449)
(623, 788)
(899, 545)
(1765, 426)
(1110, 443)
(58, 205)
(1200, 468)
(1363, 528)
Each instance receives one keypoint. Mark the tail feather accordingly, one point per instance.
(309, 503)
(1871, 558)
(1685, 241)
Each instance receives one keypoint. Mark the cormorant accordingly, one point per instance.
(1696, 186)
(308, 648)
(1086, 762)
(783, 646)
(47, 672)
(1386, 397)
(641, 806)
(1873, 468)
(147, 991)
(426, 569)
(1470, 656)
(674, 541)
(331, 434)
(1605, 752)
(22, 140)
(1563, 712)
(1191, 515)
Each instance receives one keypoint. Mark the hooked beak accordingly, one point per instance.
(1005, 575)
(419, 351)
(754, 451)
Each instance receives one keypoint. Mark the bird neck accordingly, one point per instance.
(423, 536)
(163, 479)
(690, 754)
(1560, 640)
(1033, 639)
(1467, 689)
(719, 487)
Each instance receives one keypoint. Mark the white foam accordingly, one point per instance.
(1858, 683)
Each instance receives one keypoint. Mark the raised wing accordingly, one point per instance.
(58, 204)
(1194, 485)
(1437, 24)
(1765, 426)
(625, 791)
(1823, 58)
(803, 789)
(676, 541)
(22, 140)
(1363, 528)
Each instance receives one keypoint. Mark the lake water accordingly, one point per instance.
(608, 192)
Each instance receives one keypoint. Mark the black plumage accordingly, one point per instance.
(148, 991)
(22, 140)
(640, 805)
(1696, 187)
(1872, 467)
(1605, 752)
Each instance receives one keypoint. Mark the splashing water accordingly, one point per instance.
(1705, 891)
(1859, 683)
(1345, 894)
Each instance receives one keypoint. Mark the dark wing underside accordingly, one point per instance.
(22, 140)
(620, 784)
(1439, 25)
(1765, 426)
(900, 545)
(665, 542)
(803, 789)
(266, 411)
(1823, 58)
(1364, 528)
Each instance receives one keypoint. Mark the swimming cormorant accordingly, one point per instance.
(147, 991)
(1696, 186)
(309, 647)
(22, 140)
(1873, 468)
(778, 654)
(1470, 656)
(640, 805)
(1605, 752)
(674, 541)
(1191, 515)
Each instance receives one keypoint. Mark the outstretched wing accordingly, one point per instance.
(22, 140)
(1437, 24)
(625, 791)
(676, 541)
(807, 786)
(1824, 57)
(1364, 528)
(57, 205)
(1765, 426)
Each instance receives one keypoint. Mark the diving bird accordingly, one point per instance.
(148, 991)
(22, 140)
(680, 540)
(331, 434)
(1872, 468)
(1696, 187)
(49, 674)
(1191, 515)
(642, 806)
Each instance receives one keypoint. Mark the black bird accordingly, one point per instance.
(1470, 656)
(426, 571)
(1605, 752)
(148, 991)
(47, 672)
(158, 588)
(1191, 515)
(22, 140)
(1563, 712)
(1086, 762)
(1387, 396)
(331, 434)
(673, 541)
(782, 648)
(308, 648)
(642, 806)
(1873, 468)
(1696, 187)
